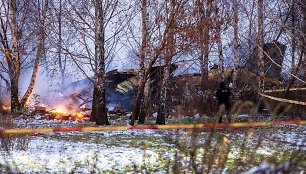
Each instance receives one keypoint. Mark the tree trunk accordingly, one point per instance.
(41, 33)
(140, 91)
(15, 59)
(0, 91)
(219, 23)
(34, 75)
(145, 108)
(303, 38)
(144, 45)
(293, 41)
(260, 41)
(204, 43)
(137, 102)
(170, 50)
(93, 114)
(142, 114)
(204, 70)
(148, 98)
(101, 111)
(147, 73)
(220, 54)
(60, 61)
(162, 108)
(15, 105)
(236, 60)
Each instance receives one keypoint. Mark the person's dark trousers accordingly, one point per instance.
(227, 109)
(220, 119)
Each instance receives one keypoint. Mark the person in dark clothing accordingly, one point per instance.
(223, 97)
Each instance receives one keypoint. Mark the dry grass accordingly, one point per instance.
(206, 151)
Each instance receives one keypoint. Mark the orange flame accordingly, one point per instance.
(60, 111)
(78, 115)
(6, 108)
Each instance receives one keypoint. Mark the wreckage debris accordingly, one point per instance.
(60, 113)
(118, 111)
(74, 116)
(40, 108)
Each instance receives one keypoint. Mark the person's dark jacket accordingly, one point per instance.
(223, 95)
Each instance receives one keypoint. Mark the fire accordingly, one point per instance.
(59, 111)
(6, 108)
(63, 113)
(78, 115)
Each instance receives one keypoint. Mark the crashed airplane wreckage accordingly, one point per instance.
(121, 87)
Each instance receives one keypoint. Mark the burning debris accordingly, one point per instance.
(62, 113)
(6, 108)
(58, 106)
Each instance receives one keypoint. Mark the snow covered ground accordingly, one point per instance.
(42, 156)
(122, 151)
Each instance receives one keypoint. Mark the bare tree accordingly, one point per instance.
(98, 26)
(99, 85)
(169, 53)
(302, 43)
(143, 57)
(16, 43)
(302, 5)
(204, 27)
(158, 35)
(61, 63)
(236, 59)
(260, 43)
(219, 21)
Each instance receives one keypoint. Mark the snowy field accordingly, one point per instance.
(137, 151)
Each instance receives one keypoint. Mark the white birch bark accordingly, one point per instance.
(260, 43)
(236, 59)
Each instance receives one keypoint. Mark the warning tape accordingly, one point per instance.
(144, 127)
(282, 90)
(284, 100)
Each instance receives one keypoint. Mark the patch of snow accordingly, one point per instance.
(37, 117)
(49, 156)
(197, 116)
(243, 115)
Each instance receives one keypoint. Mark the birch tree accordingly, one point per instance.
(218, 22)
(158, 40)
(169, 53)
(99, 85)
(260, 43)
(61, 62)
(236, 59)
(143, 57)
(302, 5)
(202, 37)
(301, 43)
(98, 26)
(16, 36)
